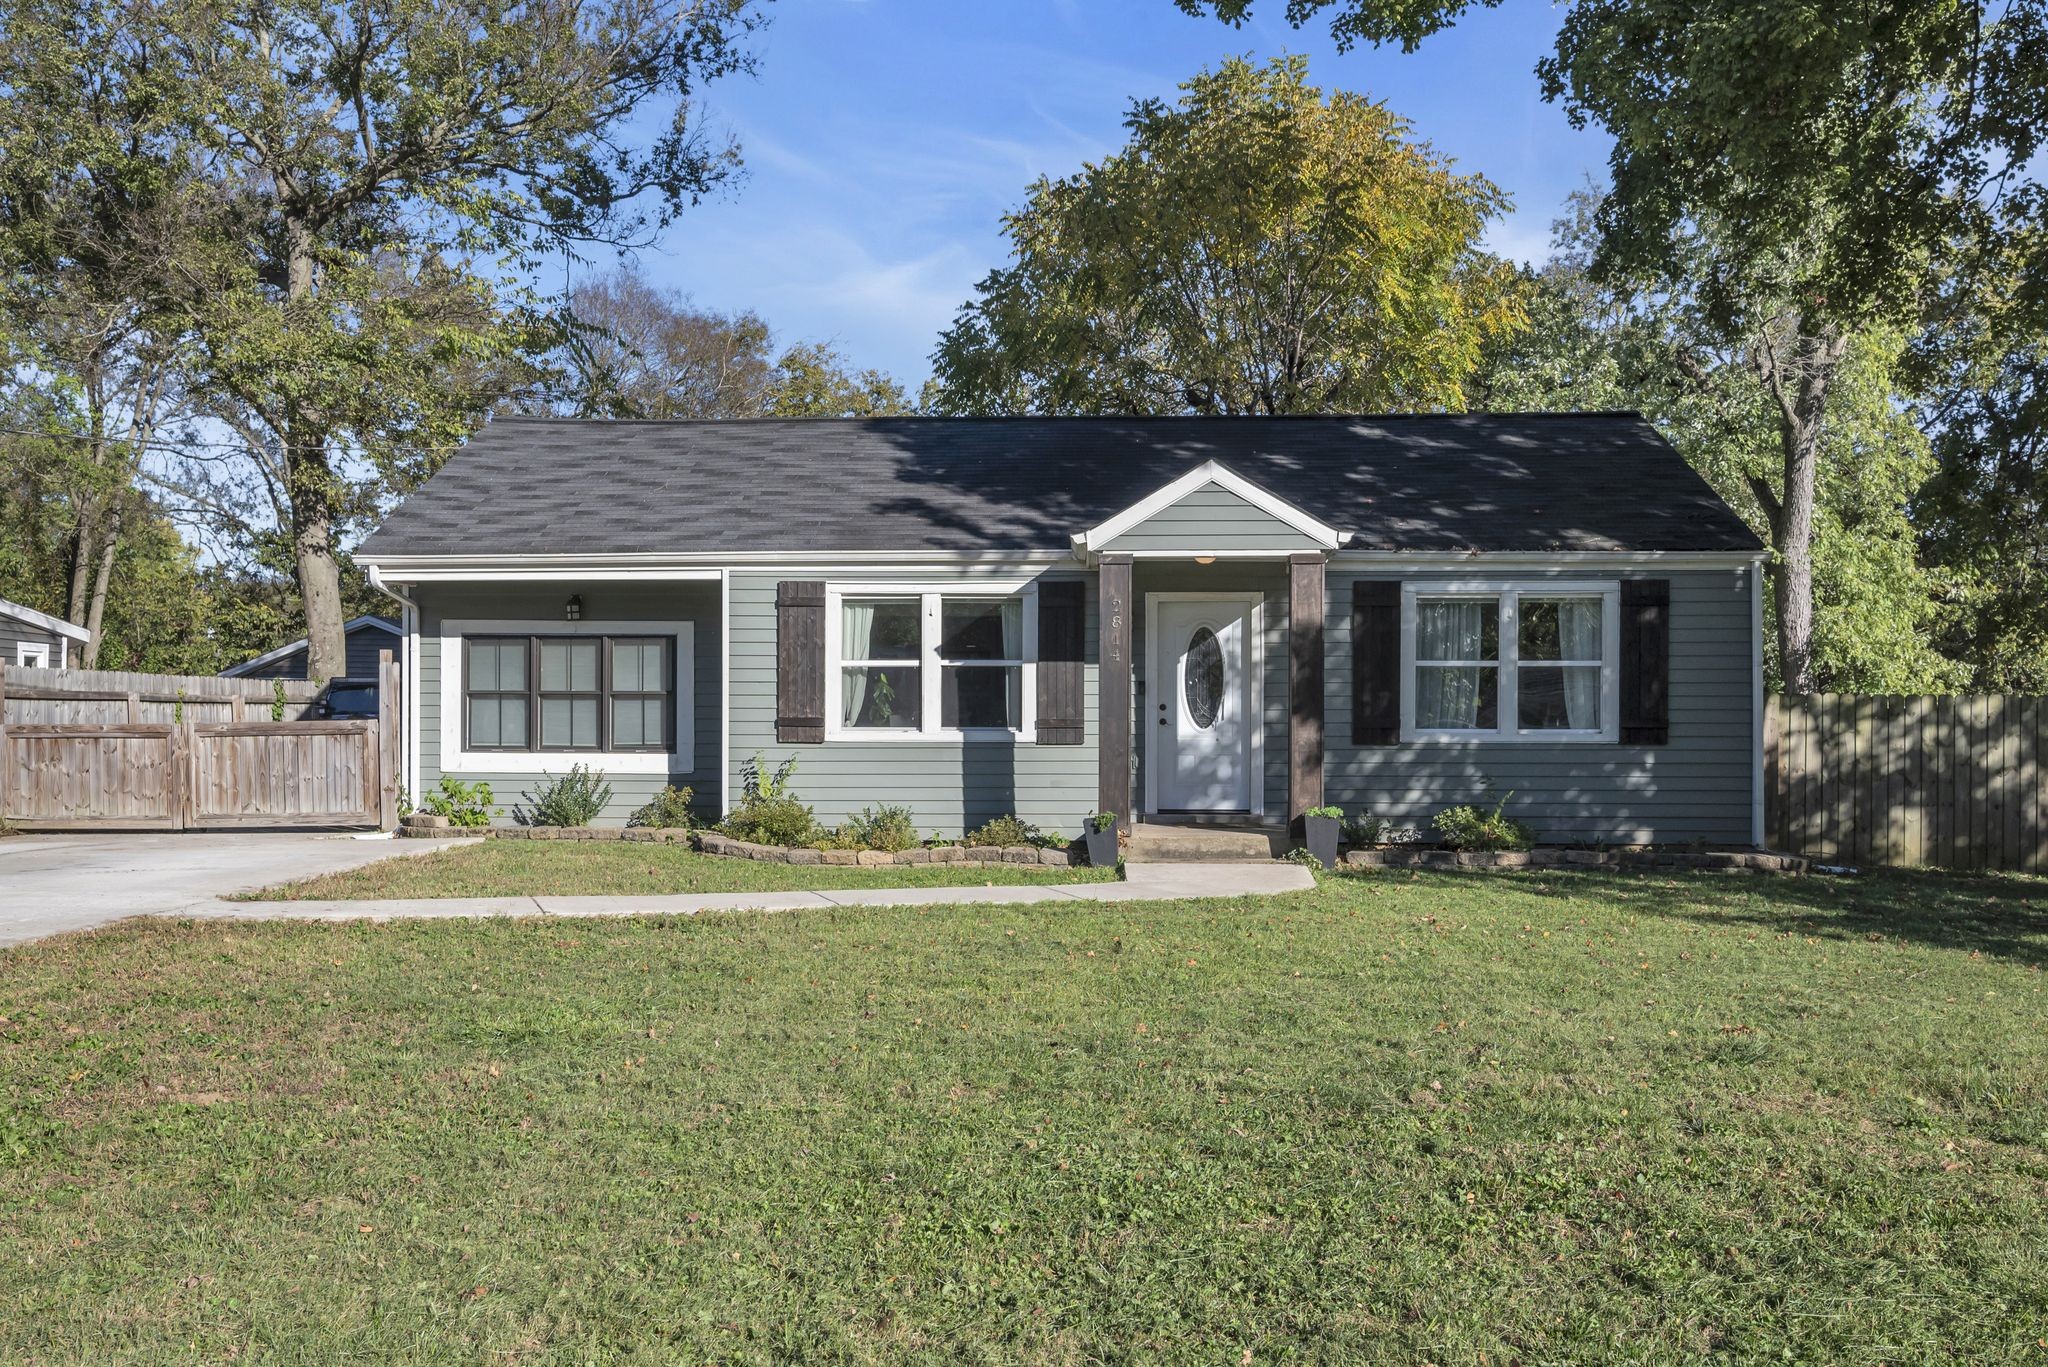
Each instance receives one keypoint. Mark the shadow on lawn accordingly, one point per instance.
(1981, 913)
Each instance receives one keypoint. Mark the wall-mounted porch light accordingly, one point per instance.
(573, 609)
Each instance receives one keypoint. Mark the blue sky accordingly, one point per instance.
(884, 139)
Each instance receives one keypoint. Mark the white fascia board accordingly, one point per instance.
(704, 565)
(1527, 560)
(1223, 477)
(43, 620)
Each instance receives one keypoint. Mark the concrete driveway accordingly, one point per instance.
(53, 883)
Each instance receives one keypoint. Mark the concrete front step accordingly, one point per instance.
(1153, 843)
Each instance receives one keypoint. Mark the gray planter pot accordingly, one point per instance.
(1321, 832)
(1102, 847)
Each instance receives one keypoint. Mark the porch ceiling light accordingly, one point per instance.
(573, 609)
(1205, 560)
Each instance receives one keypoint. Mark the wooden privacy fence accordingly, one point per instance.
(106, 750)
(1944, 782)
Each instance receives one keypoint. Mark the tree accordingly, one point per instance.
(1802, 172)
(357, 181)
(1254, 248)
(1603, 346)
(632, 350)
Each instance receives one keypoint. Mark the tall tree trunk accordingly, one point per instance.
(89, 657)
(1798, 370)
(82, 548)
(309, 482)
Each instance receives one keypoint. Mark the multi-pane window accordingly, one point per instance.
(594, 693)
(1514, 664)
(929, 663)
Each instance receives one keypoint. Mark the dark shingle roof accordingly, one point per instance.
(1567, 481)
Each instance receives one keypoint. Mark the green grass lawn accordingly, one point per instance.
(1517, 1118)
(523, 868)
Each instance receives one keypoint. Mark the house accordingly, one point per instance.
(367, 636)
(1156, 617)
(35, 639)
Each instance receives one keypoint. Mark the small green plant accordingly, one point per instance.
(1469, 828)
(277, 699)
(1005, 830)
(1102, 821)
(768, 812)
(669, 811)
(404, 801)
(1365, 830)
(888, 827)
(178, 709)
(1333, 813)
(574, 799)
(464, 804)
(1303, 858)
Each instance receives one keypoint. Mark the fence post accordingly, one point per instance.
(6, 750)
(387, 741)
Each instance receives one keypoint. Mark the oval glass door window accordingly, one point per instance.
(1204, 678)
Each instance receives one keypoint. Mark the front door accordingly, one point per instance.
(1200, 699)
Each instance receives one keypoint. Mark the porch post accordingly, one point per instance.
(1304, 685)
(1113, 688)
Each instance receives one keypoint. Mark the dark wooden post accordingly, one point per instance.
(1304, 685)
(1113, 689)
(388, 717)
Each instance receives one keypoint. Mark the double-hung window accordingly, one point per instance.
(930, 663)
(609, 694)
(1511, 662)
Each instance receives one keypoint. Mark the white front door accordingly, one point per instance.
(1201, 721)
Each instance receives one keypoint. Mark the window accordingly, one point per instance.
(32, 655)
(1527, 662)
(931, 663)
(590, 693)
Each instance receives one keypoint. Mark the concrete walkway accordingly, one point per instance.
(1144, 883)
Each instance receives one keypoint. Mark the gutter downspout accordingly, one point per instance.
(410, 621)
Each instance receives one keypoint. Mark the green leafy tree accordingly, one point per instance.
(1256, 247)
(1802, 173)
(354, 185)
(813, 380)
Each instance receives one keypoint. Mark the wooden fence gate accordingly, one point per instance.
(1944, 782)
(186, 753)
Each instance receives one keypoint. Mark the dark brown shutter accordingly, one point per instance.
(1375, 662)
(1061, 656)
(1645, 661)
(800, 661)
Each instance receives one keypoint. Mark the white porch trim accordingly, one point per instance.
(1223, 477)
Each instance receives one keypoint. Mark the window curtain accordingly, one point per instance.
(856, 639)
(1451, 630)
(1579, 634)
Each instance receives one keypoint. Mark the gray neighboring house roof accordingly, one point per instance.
(288, 661)
(1506, 482)
(43, 620)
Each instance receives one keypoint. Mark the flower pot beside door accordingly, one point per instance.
(1321, 825)
(1101, 835)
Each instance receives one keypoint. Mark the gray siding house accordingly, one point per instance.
(1164, 618)
(366, 637)
(36, 640)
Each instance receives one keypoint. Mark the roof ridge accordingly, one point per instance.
(556, 418)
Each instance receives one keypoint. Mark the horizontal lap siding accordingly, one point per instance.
(1211, 519)
(696, 603)
(13, 633)
(1696, 788)
(948, 785)
(1269, 581)
(363, 648)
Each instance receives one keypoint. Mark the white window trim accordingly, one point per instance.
(1509, 593)
(929, 664)
(32, 654)
(456, 760)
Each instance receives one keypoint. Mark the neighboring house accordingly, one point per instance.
(367, 635)
(36, 639)
(1051, 616)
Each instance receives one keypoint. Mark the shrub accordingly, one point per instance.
(277, 699)
(1468, 828)
(464, 804)
(574, 799)
(768, 812)
(888, 827)
(1365, 830)
(1006, 830)
(670, 811)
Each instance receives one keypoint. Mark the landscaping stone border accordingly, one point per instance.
(1674, 861)
(421, 824)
